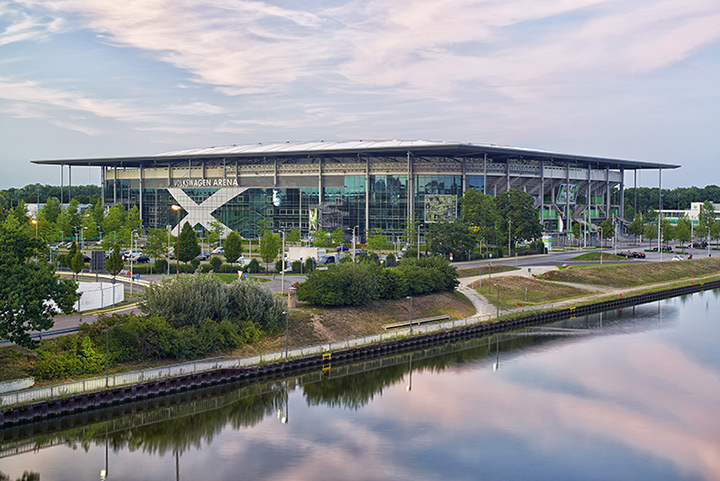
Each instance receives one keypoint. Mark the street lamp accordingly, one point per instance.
(601, 246)
(497, 290)
(107, 354)
(287, 330)
(133, 235)
(34, 222)
(411, 314)
(509, 234)
(176, 208)
(353, 252)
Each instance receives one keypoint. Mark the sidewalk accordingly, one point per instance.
(482, 306)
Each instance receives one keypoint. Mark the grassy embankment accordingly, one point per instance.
(595, 257)
(308, 325)
(593, 283)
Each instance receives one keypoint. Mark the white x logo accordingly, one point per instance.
(202, 213)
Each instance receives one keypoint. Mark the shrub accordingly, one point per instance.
(216, 263)
(252, 302)
(76, 356)
(253, 266)
(187, 300)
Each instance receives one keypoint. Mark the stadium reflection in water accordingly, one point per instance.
(627, 394)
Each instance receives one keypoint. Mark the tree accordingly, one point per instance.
(706, 219)
(77, 262)
(636, 227)
(517, 211)
(157, 244)
(667, 230)
(376, 242)
(215, 231)
(651, 233)
(269, 245)
(189, 247)
(338, 236)
(478, 211)
(233, 247)
(293, 236)
(114, 263)
(450, 238)
(683, 230)
(27, 288)
(607, 227)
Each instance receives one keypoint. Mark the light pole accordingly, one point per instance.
(133, 233)
(287, 330)
(411, 314)
(509, 234)
(107, 354)
(419, 225)
(176, 208)
(282, 276)
(34, 222)
(353, 252)
(489, 278)
(601, 246)
(497, 290)
(168, 249)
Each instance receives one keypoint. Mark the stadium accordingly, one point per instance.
(355, 185)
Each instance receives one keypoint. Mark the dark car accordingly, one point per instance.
(341, 248)
(638, 255)
(627, 254)
(700, 245)
(142, 259)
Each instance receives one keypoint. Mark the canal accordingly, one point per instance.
(627, 394)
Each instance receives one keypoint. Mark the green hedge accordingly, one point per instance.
(349, 284)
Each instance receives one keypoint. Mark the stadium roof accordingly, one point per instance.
(386, 147)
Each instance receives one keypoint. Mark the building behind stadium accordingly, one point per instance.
(355, 185)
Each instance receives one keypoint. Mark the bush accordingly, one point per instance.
(73, 356)
(187, 300)
(358, 284)
(160, 266)
(253, 302)
(253, 266)
(216, 263)
(341, 285)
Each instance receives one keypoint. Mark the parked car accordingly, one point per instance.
(240, 261)
(677, 258)
(627, 254)
(700, 245)
(142, 260)
(203, 256)
(638, 255)
(341, 248)
(219, 250)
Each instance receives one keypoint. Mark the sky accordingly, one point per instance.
(630, 79)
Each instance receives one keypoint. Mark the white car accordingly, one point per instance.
(240, 261)
(677, 258)
(219, 250)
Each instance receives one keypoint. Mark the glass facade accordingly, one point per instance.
(369, 195)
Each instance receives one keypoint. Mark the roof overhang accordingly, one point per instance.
(329, 149)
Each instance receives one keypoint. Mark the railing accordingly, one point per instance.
(173, 370)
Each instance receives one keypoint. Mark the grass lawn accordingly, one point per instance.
(636, 274)
(595, 256)
(229, 278)
(483, 270)
(513, 291)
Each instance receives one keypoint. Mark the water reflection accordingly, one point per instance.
(627, 393)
